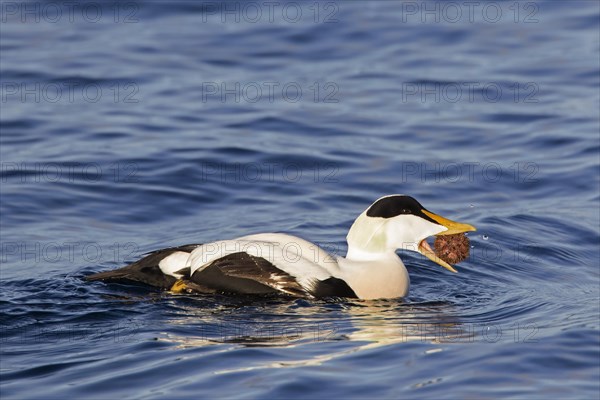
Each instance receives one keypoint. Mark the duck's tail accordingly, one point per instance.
(146, 270)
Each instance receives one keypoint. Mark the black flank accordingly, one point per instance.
(333, 287)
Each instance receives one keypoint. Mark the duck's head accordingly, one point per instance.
(399, 222)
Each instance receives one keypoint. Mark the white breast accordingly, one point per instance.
(386, 277)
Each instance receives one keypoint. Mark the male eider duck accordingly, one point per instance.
(268, 263)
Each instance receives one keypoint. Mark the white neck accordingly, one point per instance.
(367, 236)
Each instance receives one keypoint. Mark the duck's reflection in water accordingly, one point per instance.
(362, 325)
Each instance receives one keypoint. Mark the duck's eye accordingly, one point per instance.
(405, 211)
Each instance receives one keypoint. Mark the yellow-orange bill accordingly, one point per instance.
(453, 226)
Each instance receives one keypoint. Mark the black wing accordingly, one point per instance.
(244, 273)
(145, 270)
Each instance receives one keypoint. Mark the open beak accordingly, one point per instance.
(452, 228)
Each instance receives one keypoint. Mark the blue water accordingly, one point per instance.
(128, 127)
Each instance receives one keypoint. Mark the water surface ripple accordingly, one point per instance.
(148, 153)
